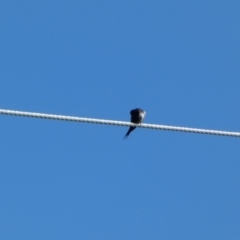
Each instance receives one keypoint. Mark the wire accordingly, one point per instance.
(118, 123)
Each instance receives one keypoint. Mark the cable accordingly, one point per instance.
(118, 123)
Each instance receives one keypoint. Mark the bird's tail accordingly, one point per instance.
(129, 131)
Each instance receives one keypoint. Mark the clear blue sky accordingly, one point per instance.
(179, 61)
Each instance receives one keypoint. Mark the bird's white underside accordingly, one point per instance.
(142, 114)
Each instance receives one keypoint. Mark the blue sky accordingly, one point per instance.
(178, 60)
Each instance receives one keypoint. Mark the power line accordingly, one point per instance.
(118, 123)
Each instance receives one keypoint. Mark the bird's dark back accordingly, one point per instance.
(135, 115)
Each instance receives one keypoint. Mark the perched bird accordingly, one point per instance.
(137, 116)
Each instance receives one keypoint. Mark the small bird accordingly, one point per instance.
(137, 116)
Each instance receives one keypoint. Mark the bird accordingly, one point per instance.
(137, 116)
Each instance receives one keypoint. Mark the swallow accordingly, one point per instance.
(137, 116)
